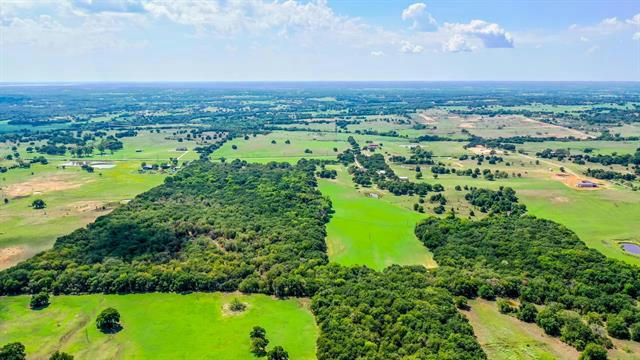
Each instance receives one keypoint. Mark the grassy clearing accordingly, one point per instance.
(74, 198)
(369, 231)
(158, 326)
(598, 146)
(260, 148)
(504, 337)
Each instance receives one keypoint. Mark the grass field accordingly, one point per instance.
(158, 326)
(504, 337)
(260, 148)
(369, 231)
(74, 198)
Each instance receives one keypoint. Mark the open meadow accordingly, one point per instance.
(158, 326)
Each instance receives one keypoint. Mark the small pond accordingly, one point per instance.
(631, 248)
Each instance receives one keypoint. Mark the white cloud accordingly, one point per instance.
(636, 36)
(607, 26)
(635, 20)
(593, 49)
(108, 6)
(491, 34)
(410, 48)
(457, 43)
(584, 39)
(377, 53)
(421, 19)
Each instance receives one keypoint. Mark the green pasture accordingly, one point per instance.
(598, 146)
(260, 148)
(158, 326)
(376, 232)
(74, 198)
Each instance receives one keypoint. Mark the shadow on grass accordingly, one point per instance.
(112, 330)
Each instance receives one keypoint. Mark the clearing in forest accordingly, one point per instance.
(369, 229)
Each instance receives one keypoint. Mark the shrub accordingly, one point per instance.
(278, 353)
(634, 330)
(505, 307)
(527, 312)
(39, 301)
(593, 352)
(237, 305)
(461, 302)
(617, 328)
(486, 292)
(60, 356)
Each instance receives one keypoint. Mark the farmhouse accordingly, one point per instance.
(372, 147)
(587, 184)
(181, 149)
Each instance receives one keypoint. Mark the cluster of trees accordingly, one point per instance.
(259, 342)
(16, 351)
(502, 201)
(419, 156)
(396, 314)
(609, 175)
(211, 227)
(584, 294)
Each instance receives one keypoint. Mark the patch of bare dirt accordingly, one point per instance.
(573, 180)
(467, 125)
(86, 206)
(575, 133)
(40, 186)
(8, 256)
(427, 119)
(560, 200)
(481, 150)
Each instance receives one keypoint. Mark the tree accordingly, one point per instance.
(617, 327)
(593, 352)
(258, 332)
(635, 331)
(60, 356)
(108, 320)
(259, 341)
(278, 353)
(486, 292)
(38, 204)
(39, 301)
(13, 351)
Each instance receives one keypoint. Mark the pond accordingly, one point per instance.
(631, 248)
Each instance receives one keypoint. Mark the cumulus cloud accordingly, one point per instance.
(636, 36)
(377, 53)
(635, 20)
(491, 34)
(420, 18)
(584, 39)
(457, 43)
(410, 48)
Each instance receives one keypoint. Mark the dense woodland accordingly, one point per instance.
(541, 262)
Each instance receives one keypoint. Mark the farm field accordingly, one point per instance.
(598, 146)
(376, 232)
(73, 197)
(158, 326)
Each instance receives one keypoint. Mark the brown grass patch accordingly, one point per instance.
(9, 255)
(481, 150)
(427, 119)
(467, 125)
(40, 186)
(560, 200)
(86, 206)
(575, 133)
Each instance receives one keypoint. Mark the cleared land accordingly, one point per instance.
(74, 198)
(365, 230)
(158, 326)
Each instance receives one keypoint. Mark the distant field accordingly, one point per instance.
(504, 337)
(598, 146)
(158, 326)
(627, 130)
(369, 231)
(260, 148)
(74, 198)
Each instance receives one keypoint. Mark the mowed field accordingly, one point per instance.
(158, 326)
(376, 232)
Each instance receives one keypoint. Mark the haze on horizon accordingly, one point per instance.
(318, 40)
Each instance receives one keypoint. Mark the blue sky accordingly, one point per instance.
(236, 40)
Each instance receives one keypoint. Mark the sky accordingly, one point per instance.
(319, 40)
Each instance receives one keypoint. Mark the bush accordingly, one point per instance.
(60, 356)
(39, 301)
(461, 302)
(38, 204)
(278, 353)
(593, 352)
(634, 330)
(617, 327)
(527, 312)
(505, 307)
(13, 351)
(108, 320)
(237, 305)
(486, 292)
